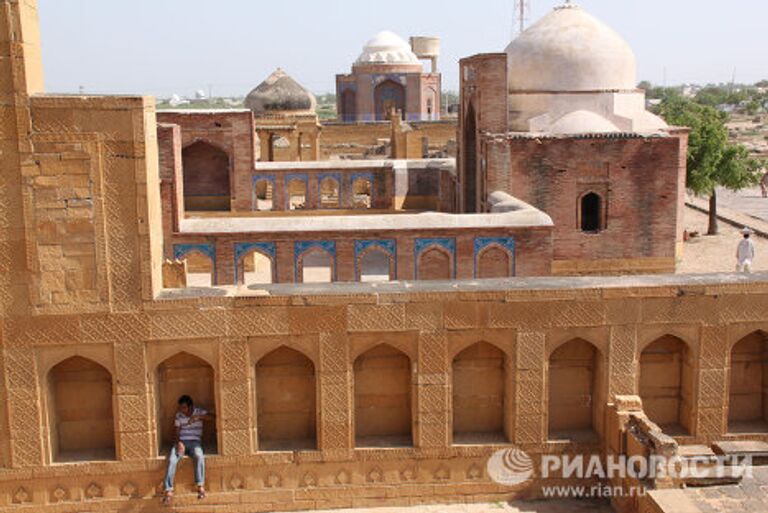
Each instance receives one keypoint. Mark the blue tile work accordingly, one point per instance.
(398, 78)
(420, 245)
(299, 248)
(320, 178)
(182, 250)
(288, 179)
(389, 246)
(209, 250)
(507, 243)
(365, 176)
(243, 248)
(254, 181)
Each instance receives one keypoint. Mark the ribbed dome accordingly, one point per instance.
(387, 48)
(570, 50)
(280, 93)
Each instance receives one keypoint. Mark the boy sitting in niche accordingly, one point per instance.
(188, 426)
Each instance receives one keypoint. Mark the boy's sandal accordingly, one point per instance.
(201, 494)
(168, 499)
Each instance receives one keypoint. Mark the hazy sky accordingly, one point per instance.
(162, 47)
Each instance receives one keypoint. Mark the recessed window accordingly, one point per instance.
(591, 213)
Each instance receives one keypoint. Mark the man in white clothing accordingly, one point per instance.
(745, 253)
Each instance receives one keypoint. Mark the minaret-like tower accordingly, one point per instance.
(521, 16)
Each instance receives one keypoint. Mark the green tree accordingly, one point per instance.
(713, 161)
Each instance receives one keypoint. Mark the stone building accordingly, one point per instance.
(326, 395)
(389, 75)
(558, 121)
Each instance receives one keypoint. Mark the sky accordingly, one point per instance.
(162, 47)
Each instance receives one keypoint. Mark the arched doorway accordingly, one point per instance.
(184, 374)
(666, 384)
(206, 178)
(575, 392)
(389, 95)
(479, 377)
(285, 399)
(80, 411)
(748, 394)
(470, 161)
(383, 398)
(591, 213)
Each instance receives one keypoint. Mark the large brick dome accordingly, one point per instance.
(280, 93)
(570, 50)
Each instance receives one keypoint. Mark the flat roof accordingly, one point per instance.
(357, 164)
(523, 218)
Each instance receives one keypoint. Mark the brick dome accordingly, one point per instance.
(570, 51)
(280, 93)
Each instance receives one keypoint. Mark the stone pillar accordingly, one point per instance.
(711, 410)
(236, 416)
(24, 408)
(335, 433)
(433, 393)
(531, 389)
(623, 366)
(135, 439)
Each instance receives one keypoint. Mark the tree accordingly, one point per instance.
(713, 161)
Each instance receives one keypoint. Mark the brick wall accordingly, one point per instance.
(638, 178)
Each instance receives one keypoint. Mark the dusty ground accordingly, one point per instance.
(716, 254)
(530, 507)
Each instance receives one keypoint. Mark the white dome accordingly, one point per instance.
(570, 50)
(582, 122)
(387, 48)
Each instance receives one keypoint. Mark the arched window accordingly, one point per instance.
(285, 398)
(575, 402)
(362, 192)
(375, 265)
(329, 193)
(591, 213)
(748, 396)
(257, 269)
(80, 411)
(494, 262)
(297, 194)
(435, 264)
(316, 266)
(479, 377)
(206, 178)
(264, 195)
(199, 269)
(383, 398)
(666, 384)
(179, 375)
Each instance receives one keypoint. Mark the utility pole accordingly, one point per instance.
(521, 13)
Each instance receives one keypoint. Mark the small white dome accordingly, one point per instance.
(570, 50)
(387, 48)
(583, 122)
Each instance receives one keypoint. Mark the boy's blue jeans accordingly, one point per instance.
(194, 450)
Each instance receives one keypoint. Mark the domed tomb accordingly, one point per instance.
(569, 50)
(280, 93)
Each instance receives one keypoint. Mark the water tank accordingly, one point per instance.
(425, 47)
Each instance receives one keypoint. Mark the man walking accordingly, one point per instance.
(189, 437)
(764, 184)
(745, 253)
